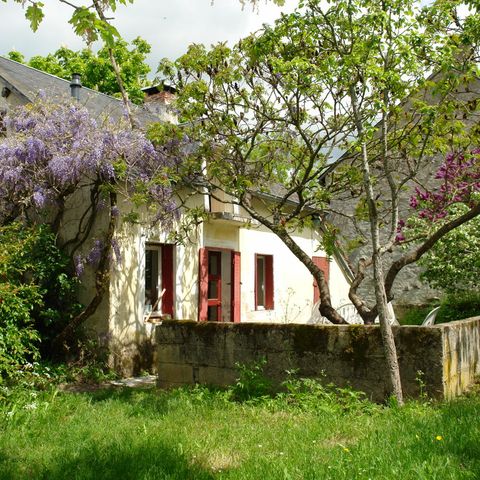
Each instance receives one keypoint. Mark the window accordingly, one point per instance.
(159, 284)
(263, 282)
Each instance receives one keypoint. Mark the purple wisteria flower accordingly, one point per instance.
(55, 149)
(79, 265)
(94, 256)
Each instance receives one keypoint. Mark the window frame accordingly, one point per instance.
(165, 279)
(266, 282)
(152, 247)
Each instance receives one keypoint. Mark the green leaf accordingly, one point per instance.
(34, 14)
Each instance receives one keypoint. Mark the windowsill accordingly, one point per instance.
(156, 317)
(232, 218)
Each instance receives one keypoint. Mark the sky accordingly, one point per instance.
(169, 26)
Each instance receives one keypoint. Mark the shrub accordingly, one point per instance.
(251, 384)
(18, 338)
(453, 264)
(37, 295)
(415, 315)
(459, 306)
(30, 255)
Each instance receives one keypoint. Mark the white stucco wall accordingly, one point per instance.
(293, 284)
(121, 315)
(128, 328)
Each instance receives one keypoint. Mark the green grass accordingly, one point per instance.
(202, 434)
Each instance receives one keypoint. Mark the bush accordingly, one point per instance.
(251, 384)
(415, 315)
(454, 306)
(37, 295)
(459, 306)
(453, 264)
(18, 338)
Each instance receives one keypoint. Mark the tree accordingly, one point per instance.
(57, 154)
(453, 264)
(95, 68)
(352, 77)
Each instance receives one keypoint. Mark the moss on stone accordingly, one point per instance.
(306, 338)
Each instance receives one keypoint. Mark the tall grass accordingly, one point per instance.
(309, 432)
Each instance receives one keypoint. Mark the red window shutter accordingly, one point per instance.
(202, 285)
(236, 290)
(255, 286)
(324, 265)
(269, 304)
(167, 279)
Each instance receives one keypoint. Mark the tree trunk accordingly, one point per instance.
(389, 347)
(102, 281)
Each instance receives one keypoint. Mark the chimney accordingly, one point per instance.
(158, 99)
(76, 85)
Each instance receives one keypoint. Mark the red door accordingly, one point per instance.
(210, 285)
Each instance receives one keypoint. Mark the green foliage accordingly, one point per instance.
(453, 306)
(37, 294)
(96, 69)
(458, 306)
(18, 338)
(312, 394)
(252, 384)
(453, 264)
(86, 22)
(35, 15)
(416, 315)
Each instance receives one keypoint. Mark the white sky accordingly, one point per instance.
(169, 26)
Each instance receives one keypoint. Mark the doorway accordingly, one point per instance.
(219, 285)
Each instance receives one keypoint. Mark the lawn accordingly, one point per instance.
(310, 433)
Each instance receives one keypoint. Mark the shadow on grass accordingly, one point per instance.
(151, 460)
(149, 402)
(153, 402)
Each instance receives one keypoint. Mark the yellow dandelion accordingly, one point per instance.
(345, 449)
(439, 438)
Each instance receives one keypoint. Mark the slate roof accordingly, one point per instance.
(28, 81)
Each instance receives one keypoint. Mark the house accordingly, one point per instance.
(230, 269)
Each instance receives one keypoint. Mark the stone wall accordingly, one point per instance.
(206, 353)
(461, 355)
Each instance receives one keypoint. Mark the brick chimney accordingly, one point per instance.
(158, 100)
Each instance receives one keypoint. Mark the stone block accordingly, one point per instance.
(176, 373)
